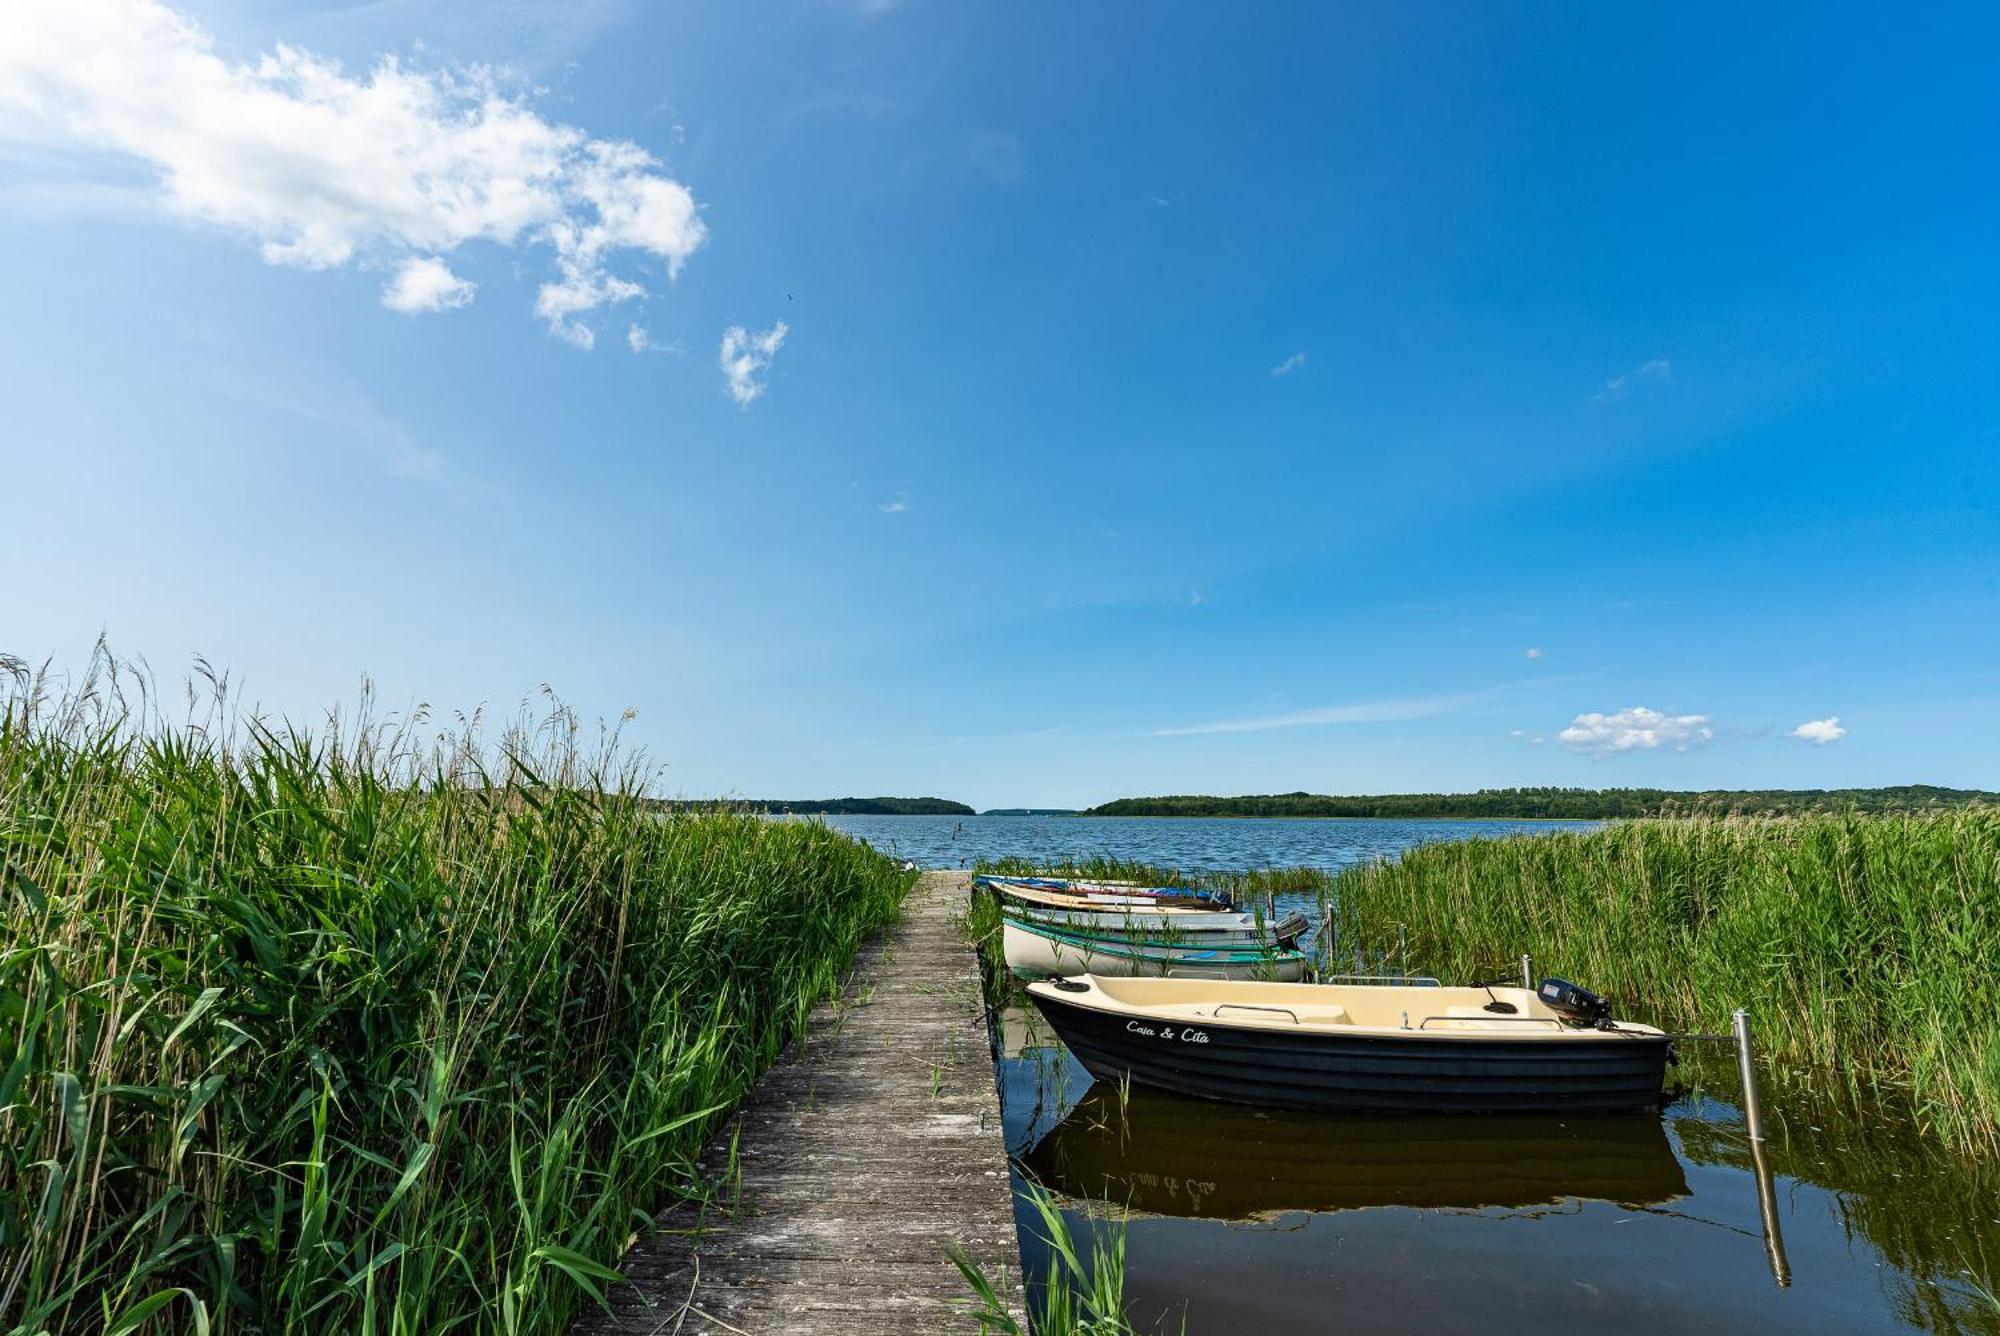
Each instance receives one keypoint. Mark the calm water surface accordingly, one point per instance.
(1239, 1220)
(1190, 843)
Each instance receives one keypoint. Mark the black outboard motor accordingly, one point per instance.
(1577, 1005)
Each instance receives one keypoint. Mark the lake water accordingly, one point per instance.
(1189, 843)
(1238, 1219)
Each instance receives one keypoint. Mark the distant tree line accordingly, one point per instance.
(1558, 803)
(821, 806)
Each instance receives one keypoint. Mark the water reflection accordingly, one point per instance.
(1239, 1218)
(1158, 1153)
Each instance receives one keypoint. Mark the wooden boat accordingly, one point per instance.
(1040, 950)
(1155, 1152)
(1359, 1046)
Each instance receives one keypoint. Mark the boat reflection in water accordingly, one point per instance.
(1161, 1154)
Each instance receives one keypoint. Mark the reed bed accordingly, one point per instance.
(1861, 944)
(369, 1028)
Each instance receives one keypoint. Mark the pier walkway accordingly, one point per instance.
(870, 1148)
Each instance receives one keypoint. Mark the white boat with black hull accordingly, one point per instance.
(1360, 1046)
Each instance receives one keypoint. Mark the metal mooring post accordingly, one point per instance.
(1767, 1191)
(1528, 972)
(1746, 1066)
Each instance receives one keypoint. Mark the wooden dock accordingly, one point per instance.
(872, 1147)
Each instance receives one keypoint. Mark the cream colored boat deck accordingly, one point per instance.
(870, 1148)
(1360, 1007)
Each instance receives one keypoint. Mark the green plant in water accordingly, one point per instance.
(1863, 945)
(1083, 1292)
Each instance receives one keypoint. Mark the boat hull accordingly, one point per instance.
(1184, 928)
(1048, 953)
(1322, 1071)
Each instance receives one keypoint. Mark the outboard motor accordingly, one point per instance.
(1577, 1005)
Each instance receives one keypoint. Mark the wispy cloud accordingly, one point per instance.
(1659, 370)
(1820, 731)
(1289, 365)
(1532, 652)
(843, 105)
(1636, 729)
(640, 340)
(393, 170)
(997, 155)
(342, 416)
(896, 507)
(746, 357)
(1365, 712)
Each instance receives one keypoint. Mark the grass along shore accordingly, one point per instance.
(369, 1029)
(1866, 945)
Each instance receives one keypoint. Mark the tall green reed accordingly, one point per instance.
(1864, 944)
(1083, 1290)
(376, 1027)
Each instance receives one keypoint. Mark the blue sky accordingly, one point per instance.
(1169, 398)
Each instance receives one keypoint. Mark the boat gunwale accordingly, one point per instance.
(1188, 953)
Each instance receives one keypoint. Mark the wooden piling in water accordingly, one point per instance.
(869, 1150)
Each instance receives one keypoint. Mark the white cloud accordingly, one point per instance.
(1820, 731)
(1534, 652)
(638, 339)
(1289, 365)
(1659, 369)
(896, 507)
(423, 283)
(1369, 712)
(746, 356)
(1636, 729)
(393, 169)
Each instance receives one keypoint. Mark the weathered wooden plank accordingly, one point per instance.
(872, 1147)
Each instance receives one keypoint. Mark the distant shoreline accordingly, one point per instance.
(1553, 804)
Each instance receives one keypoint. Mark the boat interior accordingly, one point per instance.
(1500, 1011)
(1141, 903)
